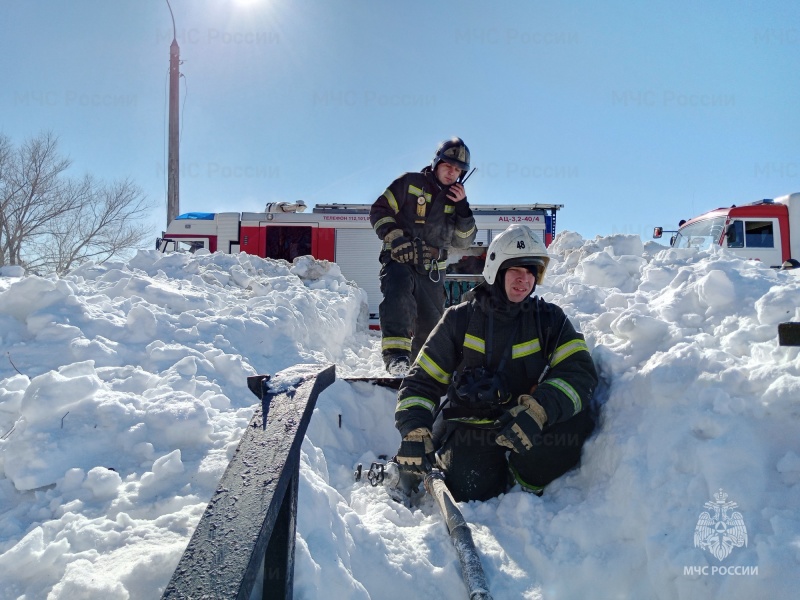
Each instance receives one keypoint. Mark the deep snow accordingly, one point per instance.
(123, 394)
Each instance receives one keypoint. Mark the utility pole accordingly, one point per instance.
(173, 160)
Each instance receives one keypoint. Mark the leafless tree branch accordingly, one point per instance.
(51, 223)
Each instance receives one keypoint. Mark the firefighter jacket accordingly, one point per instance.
(530, 333)
(418, 205)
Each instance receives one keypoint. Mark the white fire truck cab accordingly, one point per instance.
(767, 230)
(342, 233)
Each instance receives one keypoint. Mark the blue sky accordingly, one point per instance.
(631, 114)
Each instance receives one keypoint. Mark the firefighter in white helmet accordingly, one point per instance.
(419, 217)
(518, 379)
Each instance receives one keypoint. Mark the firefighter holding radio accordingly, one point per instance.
(517, 376)
(419, 217)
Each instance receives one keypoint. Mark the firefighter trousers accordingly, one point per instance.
(412, 306)
(476, 467)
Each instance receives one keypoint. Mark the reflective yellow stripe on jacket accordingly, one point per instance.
(474, 343)
(391, 200)
(432, 369)
(525, 349)
(568, 391)
(465, 234)
(517, 350)
(407, 403)
(414, 190)
(396, 343)
(566, 350)
(382, 222)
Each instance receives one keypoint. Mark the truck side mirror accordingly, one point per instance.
(658, 232)
(672, 240)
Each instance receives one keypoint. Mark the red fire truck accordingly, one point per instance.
(767, 230)
(342, 233)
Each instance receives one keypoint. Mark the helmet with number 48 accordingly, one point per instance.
(517, 246)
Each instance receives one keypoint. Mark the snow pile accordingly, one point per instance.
(123, 395)
(696, 395)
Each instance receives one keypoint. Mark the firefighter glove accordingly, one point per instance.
(402, 248)
(429, 254)
(416, 452)
(520, 425)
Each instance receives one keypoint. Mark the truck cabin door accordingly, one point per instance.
(758, 239)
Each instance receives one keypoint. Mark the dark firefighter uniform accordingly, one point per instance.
(413, 294)
(528, 335)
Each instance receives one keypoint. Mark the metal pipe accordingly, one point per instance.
(460, 534)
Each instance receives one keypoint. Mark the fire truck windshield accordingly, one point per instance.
(701, 234)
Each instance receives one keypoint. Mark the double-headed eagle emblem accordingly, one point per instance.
(722, 532)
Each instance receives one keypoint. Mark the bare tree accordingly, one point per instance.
(33, 194)
(51, 223)
(105, 226)
(6, 153)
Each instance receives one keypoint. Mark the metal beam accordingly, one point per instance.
(250, 519)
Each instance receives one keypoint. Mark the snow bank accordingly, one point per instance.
(130, 396)
(696, 395)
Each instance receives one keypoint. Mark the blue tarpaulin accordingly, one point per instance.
(198, 216)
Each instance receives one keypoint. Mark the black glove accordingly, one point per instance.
(400, 246)
(520, 425)
(429, 254)
(416, 452)
(403, 250)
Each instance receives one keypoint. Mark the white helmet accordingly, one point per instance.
(517, 246)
